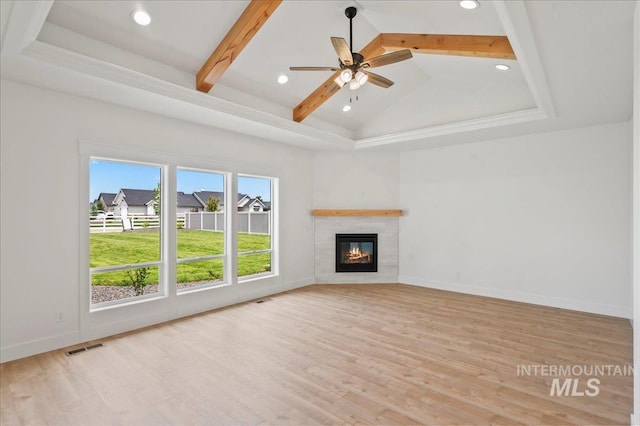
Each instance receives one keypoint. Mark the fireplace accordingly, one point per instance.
(356, 252)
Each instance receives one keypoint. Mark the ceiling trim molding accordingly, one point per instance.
(452, 128)
(25, 23)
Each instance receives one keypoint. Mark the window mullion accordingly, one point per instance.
(169, 220)
(231, 211)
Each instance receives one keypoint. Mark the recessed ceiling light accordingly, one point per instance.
(142, 17)
(282, 79)
(470, 4)
(503, 67)
(346, 108)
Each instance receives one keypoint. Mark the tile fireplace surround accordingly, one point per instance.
(328, 223)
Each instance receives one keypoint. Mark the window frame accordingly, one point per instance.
(160, 263)
(133, 313)
(226, 252)
(272, 226)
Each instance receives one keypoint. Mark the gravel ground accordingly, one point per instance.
(107, 293)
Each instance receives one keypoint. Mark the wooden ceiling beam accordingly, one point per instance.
(330, 87)
(247, 25)
(497, 47)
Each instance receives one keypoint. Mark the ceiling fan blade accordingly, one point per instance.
(342, 49)
(389, 58)
(379, 80)
(313, 68)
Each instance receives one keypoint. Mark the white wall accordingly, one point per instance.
(542, 218)
(355, 180)
(40, 166)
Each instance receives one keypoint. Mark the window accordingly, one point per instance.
(158, 229)
(255, 225)
(201, 229)
(125, 236)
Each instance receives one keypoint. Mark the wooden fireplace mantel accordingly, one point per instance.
(352, 213)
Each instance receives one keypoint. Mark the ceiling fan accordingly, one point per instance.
(354, 67)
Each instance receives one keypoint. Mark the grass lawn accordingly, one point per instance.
(121, 248)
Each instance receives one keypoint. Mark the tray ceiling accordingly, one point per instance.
(434, 95)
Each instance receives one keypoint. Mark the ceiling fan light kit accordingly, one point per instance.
(346, 75)
(361, 77)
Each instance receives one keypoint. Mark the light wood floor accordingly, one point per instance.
(365, 354)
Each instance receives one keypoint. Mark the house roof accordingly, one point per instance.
(107, 197)
(188, 200)
(203, 196)
(253, 201)
(137, 197)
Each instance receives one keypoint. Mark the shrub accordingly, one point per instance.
(137, 279)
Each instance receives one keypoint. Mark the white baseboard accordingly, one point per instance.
(33, 347)
(634, 421)
(536, 299)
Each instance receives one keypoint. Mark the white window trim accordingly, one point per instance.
(273, 226)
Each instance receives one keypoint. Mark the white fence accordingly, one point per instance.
(249, 222)
(133, 221)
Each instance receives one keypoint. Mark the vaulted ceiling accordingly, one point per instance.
(573, 66)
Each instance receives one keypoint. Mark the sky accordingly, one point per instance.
(108, 176)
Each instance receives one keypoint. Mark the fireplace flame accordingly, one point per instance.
(355, 254)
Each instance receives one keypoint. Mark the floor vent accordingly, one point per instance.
(97, 345)
(86, 348)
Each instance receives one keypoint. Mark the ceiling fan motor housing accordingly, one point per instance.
(357, 60)
(350, 12)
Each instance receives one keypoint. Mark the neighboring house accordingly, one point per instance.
(107, 200)
(253, 205)
(188, 203)
(134, 201)
(203, 196)
(141, 202)
(244, 202)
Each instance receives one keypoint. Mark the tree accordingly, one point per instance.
(100, 205)
(96, 207)
(213, 204)
(157, 191)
